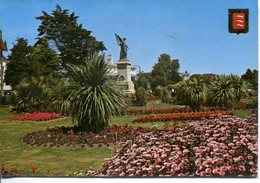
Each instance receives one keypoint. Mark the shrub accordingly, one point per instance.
(141, 96)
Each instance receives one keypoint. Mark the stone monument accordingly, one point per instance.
(124, 67)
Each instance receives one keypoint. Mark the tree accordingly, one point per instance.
(221, 92)
(72, 41)
(95, 98)
(44, 61)
(18, 65)
(251, 77)
(27, 61)
(142, 81)
(141, 96)
(165, 71)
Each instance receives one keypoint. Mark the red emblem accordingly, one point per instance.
(238, 21)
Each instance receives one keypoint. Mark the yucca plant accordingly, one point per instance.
(221, 92)
(194, 90)
(33, 95)
(95, 98)
(240, 87)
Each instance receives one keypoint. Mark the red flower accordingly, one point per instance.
(38, 116)
(15, 170)
(2, 169)
(34, 169)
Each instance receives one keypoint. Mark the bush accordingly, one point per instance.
(141, 96)
(9, 99)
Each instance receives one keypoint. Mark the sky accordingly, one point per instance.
(193, 31)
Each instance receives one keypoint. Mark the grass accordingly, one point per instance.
(151, 106)
(128, 119)
(5, 112)
(57, 161)
(50, 161)
(242, 113)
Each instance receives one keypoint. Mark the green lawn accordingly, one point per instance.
(151, 106)
(242, 113)
(4, 112)
(56, 161)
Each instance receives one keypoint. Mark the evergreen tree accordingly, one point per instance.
(69, 38)
(18, 64)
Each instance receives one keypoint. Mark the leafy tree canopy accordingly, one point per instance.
(69, 38)
(165, 71)
(251, 77)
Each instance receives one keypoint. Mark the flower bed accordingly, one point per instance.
(158, 111)
(179, 116)
(38, 116)
(224, 146)
(73, 137)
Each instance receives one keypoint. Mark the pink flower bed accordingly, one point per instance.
(225, 146)
(38, 116)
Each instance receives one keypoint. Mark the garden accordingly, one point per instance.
(67, 116)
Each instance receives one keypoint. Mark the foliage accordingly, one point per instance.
(159, 80)
(18, 65)
(33, 95)
(221, 92)
(251, 77)
(158, 111)
(9, 99)
(72, 41)
(165, 71)
(95, 98)
(240, 87)
(43, 60)
(180, 116)
(60, 92)
(143, 81)
(31, 61)
(226, 146)
(166, 95)
(141, 96)
(158, 92)
(193, 93)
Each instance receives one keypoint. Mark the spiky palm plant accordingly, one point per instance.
(96, 98)
(33, 95)
(240, 87)
(221, 92)
(194, 92)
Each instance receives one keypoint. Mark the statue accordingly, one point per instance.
(123, 46)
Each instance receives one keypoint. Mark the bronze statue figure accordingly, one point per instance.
(123, 47)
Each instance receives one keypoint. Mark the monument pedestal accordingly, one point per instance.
(124, 76)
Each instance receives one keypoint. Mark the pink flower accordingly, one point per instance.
(241, 168)
(208, 170)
